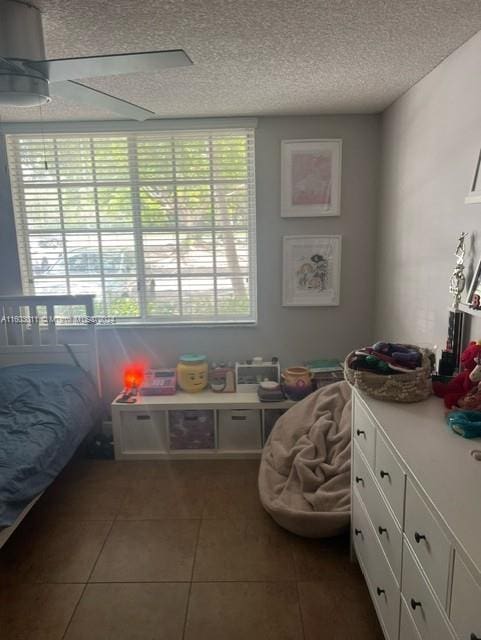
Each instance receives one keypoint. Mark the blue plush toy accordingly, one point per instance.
(465, 423)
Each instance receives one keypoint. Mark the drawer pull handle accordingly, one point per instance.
(143, 416)
(382, 530)
(415, 604)
(384, 474)
(419, 536)
(359, 479)
(380, 591)
(357, 532)
(360, 432)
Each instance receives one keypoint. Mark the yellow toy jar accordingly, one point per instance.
(192, 372)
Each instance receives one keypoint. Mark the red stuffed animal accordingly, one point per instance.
(462, 384)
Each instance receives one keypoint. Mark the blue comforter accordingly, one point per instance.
(45, 412)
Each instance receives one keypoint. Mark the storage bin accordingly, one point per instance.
(142, 432)
(271, 416)
(192, 429)
(240, 430)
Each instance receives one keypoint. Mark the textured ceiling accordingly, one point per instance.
(257, 57)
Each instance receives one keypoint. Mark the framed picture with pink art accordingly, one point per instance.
(311, 178)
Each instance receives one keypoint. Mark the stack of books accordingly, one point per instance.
(325, 371)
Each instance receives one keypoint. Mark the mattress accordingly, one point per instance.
(45, 412)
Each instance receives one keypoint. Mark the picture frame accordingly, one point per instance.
(311, 178)
(473, 298)
(474, 195)
(311, 275)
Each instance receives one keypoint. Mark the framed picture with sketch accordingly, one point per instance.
(311, 271)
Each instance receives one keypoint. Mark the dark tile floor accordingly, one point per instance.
(172, 551)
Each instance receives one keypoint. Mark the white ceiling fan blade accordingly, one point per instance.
(91, 67)
(79, 93)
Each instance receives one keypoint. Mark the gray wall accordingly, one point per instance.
(292, 334)
(430, 143)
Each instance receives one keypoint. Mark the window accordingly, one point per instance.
(160, 226)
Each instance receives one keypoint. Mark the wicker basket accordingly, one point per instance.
(402, 387)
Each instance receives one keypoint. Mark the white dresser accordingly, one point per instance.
(416, 520)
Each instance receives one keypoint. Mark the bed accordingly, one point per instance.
(49, 395)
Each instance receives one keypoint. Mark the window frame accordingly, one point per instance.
(137, 229)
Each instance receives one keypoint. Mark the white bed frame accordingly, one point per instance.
(31, 342)
(26, 340)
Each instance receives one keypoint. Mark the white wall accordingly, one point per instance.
(292, 334)
(431, 138)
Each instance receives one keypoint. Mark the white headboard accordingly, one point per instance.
(35, 329)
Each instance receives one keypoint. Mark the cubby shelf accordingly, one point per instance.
(231, 425)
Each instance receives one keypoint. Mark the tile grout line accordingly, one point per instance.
(301, 617)
(296, 578)
(88, 578)
(187, 604)
(243, 580)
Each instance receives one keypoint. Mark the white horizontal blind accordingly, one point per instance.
(160, 226)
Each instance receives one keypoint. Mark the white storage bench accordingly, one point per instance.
(194, 425)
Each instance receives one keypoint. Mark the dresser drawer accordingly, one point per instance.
(465, 603)
(430, 621)
(364, 432)
(386, 528)
(382, 585)
(428, 541)
(362, 478)
(408, 629)
(388, 532)
(391, 478)
(361, 529)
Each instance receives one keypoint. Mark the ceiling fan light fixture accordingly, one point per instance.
(26, 76)
(23, 90)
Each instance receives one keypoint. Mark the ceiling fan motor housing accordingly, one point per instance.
(21, 35)
(21, 39)
(22, 90)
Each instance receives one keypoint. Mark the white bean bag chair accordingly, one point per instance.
(304, 476)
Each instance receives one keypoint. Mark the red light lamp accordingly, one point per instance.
(133, 378)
